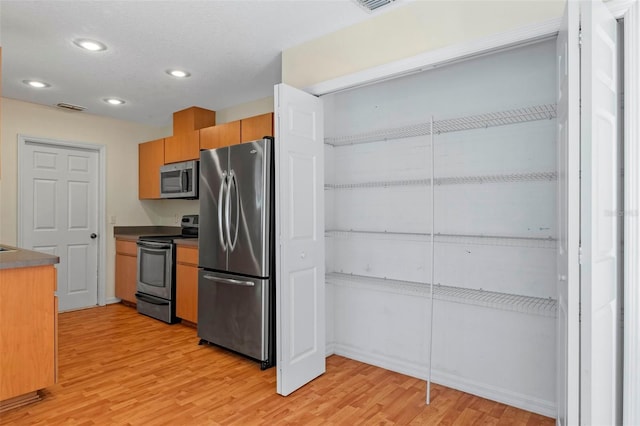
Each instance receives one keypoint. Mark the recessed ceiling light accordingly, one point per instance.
(37, 84)
(114, 101)
(178, 73)
(92, 45)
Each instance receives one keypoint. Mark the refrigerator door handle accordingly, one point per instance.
(221, 194)
(232, 182)
(229, 281)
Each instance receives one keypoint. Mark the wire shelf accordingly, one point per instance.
(490, 299)
(454, 180)
(467, 239)
(480, 121)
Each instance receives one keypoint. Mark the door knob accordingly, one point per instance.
(93, 235)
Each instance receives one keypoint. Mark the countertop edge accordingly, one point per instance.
(22, 258)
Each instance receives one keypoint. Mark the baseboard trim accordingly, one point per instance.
(330, 349)
(112, 300)
(505, 396)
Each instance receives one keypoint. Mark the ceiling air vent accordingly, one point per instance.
(70, 107)
(373, 4)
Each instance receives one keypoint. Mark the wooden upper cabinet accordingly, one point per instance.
(221, 135)
(182, 147)
(150, 159)
(191, 119)
(256, 127)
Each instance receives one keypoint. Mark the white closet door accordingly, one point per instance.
(568, 137)
(300, 306)
(599, 191)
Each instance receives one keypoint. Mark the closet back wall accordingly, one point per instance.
(495, 224)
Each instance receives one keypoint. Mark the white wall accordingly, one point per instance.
(121, 140)
(248, 109)
(414, 28)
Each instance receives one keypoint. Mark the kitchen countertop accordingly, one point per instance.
(16, 257)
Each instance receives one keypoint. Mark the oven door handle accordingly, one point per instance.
(154, 247)
(151, 300)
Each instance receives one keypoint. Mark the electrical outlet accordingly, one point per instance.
(176, 218)
(112, 220)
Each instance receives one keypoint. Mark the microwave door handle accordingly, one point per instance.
(234, 182)
(221, 194)
(184, 180)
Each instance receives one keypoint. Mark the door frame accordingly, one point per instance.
(101, 150)
(631, 334)
(628, 10)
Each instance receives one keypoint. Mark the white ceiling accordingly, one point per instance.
(231, 48)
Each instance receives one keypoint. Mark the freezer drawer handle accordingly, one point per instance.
(148, 299)
(229, 281)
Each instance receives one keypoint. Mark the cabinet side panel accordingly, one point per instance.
(27, 330)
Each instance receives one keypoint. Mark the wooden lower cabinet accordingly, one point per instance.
(126, 270)
(187, 283)
(28, 333)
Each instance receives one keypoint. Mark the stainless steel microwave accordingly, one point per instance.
(179, 180)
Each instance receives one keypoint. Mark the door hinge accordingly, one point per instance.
(580, 38)
(580, 255)
(579, 312)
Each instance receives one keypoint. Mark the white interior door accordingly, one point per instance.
(600, 340)
(59, 205)
(568, 145)
(300, 285)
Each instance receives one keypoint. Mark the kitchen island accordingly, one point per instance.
(28, 325)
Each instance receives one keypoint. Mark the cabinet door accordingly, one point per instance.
(187, 292)
(221, 135)
(27, 330)
(150, 158)
(187, 284)
(257, 127)
(210, 137)
(182, 147)
(126, 270)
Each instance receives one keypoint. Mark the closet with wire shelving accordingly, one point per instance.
(488, 126)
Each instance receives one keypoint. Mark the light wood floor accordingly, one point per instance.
(117, 367)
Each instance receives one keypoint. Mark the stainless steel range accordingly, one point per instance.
(156, 290)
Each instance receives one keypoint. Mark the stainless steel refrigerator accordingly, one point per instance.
(235, 281)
